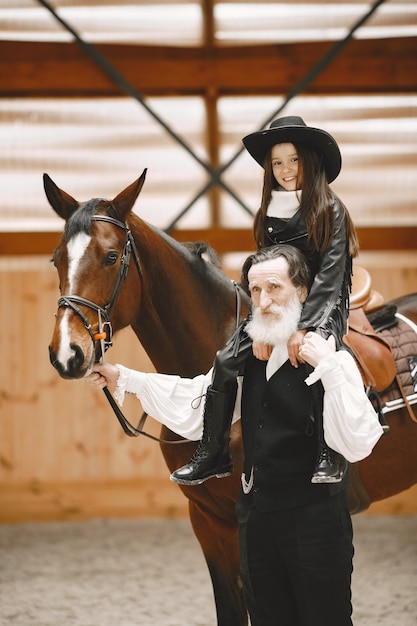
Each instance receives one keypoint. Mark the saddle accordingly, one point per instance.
(372, 352)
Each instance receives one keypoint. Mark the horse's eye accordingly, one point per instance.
(111, 258)
(55, 256)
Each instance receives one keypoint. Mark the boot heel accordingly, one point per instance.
(330, 466)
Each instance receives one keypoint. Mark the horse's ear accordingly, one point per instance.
(125, 200)
(61, 202)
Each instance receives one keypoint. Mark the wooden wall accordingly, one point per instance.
(63, 455)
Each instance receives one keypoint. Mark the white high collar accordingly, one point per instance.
(283, 204)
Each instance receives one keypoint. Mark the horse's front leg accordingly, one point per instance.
(220, 544)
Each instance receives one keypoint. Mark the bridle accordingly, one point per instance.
(105, 332)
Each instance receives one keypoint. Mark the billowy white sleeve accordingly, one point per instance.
(351, 425)
(176, 402)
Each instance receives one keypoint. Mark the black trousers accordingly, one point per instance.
(297, 564)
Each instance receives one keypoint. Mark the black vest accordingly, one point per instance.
(279, 439)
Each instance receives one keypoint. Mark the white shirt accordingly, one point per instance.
(351, 425)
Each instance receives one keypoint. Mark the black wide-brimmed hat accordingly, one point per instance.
(293, 129)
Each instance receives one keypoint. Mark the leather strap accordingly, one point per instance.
(135, 431)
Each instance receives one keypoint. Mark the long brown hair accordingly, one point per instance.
(316, 202)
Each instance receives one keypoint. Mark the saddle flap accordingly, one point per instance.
(373, 353)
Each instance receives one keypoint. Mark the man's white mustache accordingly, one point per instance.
(275, 324)
(272, 308)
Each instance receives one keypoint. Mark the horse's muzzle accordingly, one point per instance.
(74, 368)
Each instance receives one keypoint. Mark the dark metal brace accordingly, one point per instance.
(299, 87)
(118, 79)
(125, 86)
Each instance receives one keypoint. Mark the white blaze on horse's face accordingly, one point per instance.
(76, 247)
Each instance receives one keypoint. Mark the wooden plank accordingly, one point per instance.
(124, 499)
(79, 500)
(63, 70)
(47, 501)
(223, 240)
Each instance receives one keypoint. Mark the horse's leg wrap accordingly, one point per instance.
(330, 466)
(212, 456)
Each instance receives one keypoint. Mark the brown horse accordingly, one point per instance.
(182, 310)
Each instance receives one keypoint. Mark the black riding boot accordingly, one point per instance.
(330, 465)
(212, 456)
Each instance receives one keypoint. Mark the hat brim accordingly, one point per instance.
(258, 144)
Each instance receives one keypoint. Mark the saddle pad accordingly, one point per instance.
(403, 342)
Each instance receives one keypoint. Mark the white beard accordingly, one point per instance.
(277, 327)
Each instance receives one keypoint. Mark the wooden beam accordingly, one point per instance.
(63, 69)
(28, 243)
(223, 240)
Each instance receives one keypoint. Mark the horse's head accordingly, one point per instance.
(92, 261)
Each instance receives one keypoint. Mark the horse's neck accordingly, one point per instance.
(178, 339)
(176, 325)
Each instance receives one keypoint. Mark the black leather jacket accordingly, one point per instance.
(327, 305)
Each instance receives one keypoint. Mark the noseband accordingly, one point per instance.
(105, 333)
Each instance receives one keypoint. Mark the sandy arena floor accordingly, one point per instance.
(130, 573)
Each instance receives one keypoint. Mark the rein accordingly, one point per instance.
(105, 332)
(134, 431)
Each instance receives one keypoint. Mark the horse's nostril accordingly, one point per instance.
(75, 364)
(78, 353)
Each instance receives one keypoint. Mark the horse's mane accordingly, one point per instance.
(200, 248)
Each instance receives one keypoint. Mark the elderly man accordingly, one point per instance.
(295, 537)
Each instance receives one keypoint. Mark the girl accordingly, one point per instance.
(299, 208)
